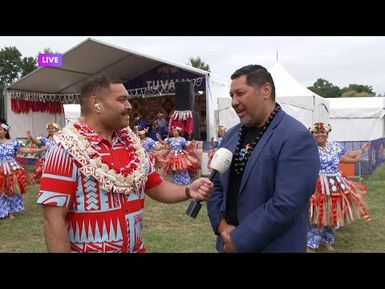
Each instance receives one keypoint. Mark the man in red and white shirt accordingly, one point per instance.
(94, 180)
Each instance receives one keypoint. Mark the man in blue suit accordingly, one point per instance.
(261, 204)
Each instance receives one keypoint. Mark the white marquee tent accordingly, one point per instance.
(295, 99)
(88, 58)
(357, 118)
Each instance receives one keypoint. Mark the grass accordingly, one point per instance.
(167, 229)
(25, 232)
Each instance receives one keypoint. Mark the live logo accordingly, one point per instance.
(50, 59)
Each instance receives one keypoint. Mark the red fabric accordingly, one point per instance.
(25, 106)
(337, 201)
(38, 169)
(175, 123)
(7, 182)
(186, 125)
(93, 213)
(189, 126)
(153, 180)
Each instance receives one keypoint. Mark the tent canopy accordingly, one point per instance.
(298, 101)
(357, 118)
(286, 85)
(91, 57)
(357, 107)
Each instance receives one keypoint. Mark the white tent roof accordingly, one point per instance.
(357, 107)
(286, 85)
(298, 101)
(357, 118)
(90, 57)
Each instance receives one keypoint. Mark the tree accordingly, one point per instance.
(198, 63)
(360, 90)
(28, 65)
(46, 50)
(354, 93)
(10, 62)
(325, 88)
(10, 65)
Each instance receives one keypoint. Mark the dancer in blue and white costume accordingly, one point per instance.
(179, 160)
(47, 142)
(13, 182)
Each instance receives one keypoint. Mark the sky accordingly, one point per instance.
(340, 60)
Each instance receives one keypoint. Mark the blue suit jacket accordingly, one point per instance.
(273, 201)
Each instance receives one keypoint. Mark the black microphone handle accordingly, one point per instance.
(195, 205)
(212, 175)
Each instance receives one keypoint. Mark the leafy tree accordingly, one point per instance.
(10, 68)
(325, 88)
(363, 90)
(349, 93)
(10, 65)
(28, 65)
(46, 50)
(354, 93)
(198, 63)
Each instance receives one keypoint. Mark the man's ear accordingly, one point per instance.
(92, 100)
(94, 104)
(266, 90)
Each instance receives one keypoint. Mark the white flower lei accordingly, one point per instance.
(81, 150)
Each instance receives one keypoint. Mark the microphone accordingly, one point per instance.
(220, 162)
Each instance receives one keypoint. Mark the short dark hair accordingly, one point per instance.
(256, 75)
(94, 85)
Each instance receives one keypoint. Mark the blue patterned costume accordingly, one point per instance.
(12, 179)
(336, 200)
(179, 161)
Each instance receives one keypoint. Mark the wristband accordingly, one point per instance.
(187, 191)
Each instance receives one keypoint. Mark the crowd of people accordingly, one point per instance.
(283, 191)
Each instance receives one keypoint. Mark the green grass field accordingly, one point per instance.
(168, 229)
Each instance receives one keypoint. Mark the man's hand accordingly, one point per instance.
(225, 234)
(365, 148)
(201, 189)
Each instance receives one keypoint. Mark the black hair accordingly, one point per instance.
(256, 75)
(93, 86)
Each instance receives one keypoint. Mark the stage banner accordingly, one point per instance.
(162, 78)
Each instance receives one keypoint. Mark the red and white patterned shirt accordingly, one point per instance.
(97, 221)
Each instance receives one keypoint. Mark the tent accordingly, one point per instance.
(62, 84)
(71, 113)
(357, 118)
(356, 121)
(295, 99)
(298, 101)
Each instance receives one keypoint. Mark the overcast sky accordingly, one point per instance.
(340, 60)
